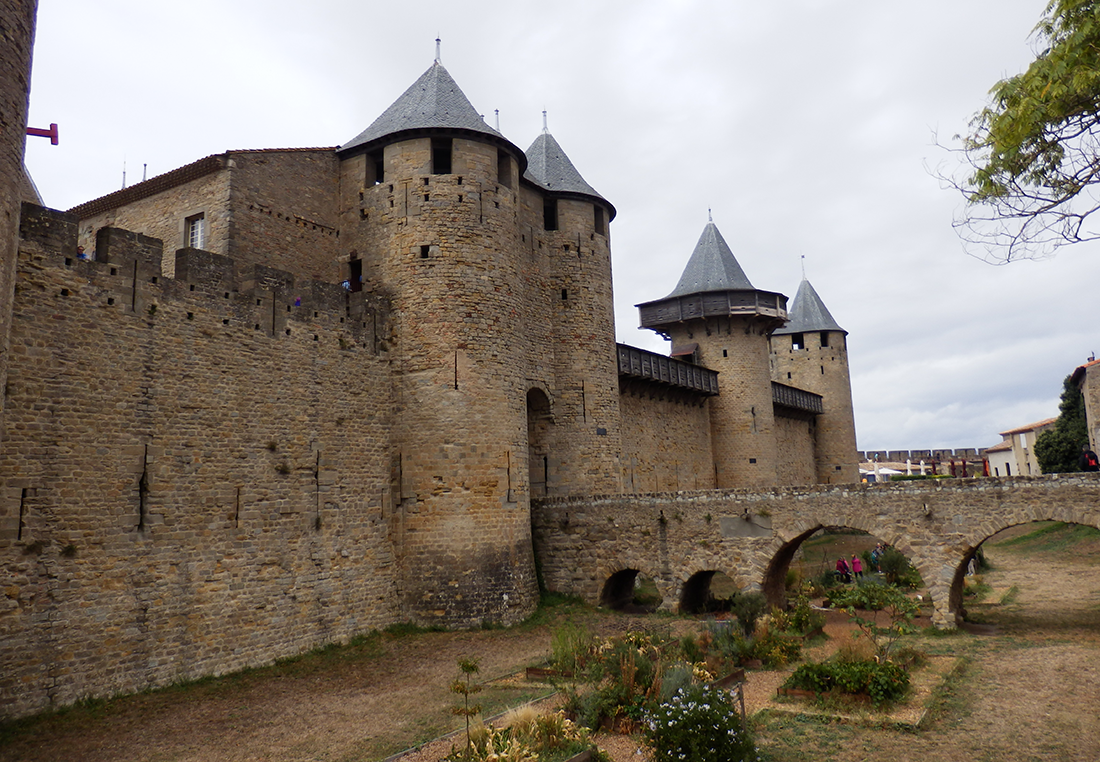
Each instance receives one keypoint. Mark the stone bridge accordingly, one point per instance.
(595, 546)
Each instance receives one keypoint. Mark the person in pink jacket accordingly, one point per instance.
(857, 567)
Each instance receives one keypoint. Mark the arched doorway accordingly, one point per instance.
(539, 421)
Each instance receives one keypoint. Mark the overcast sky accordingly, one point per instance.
(808, 126)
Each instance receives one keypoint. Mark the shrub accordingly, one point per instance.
(699, 723)
(775, 648)
(897, 570)
(748, 607)
(882, 682)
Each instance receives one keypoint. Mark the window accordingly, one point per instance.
(504, 169)
(798, 341)
(441, 156)
(376, 168)
(824, 339)
(550, 214)
(599, 221)
(195, 231)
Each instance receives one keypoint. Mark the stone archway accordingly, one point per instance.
(539, 420)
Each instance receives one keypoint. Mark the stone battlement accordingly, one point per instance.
(127, 275)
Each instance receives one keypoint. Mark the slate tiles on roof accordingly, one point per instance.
(435, 101)
(808, 313)
(712, 267)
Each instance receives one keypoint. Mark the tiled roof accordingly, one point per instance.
(808, 313)
(1081, 370)
(176, 177)
(1001, 447)
(434, 101)
(150, 187)
(1030, 427)
(712, 267)
(549, 168)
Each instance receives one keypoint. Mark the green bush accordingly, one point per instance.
(869, 596)
(748, 607)
(699, 724)
(882, 682)
(775, 648)
(897, 570)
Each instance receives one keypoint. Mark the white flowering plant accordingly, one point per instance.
(699, 724)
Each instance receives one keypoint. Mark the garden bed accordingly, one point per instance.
(924, 683)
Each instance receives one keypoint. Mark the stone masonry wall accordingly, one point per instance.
(195, 478)
(821, 367)
(163, 216)
(666, 441)
(742, 417)
(795, 444)
(284, 213)
(446, 248)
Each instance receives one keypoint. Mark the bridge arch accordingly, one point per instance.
(618, 589)
(696, 592)
(974, 540)
(774, 577)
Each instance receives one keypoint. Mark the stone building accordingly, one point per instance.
(301, 393)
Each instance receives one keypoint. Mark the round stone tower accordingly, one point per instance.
(502, 346)
(17, 19)
(717, 318)
(811, 353)
(584, 444)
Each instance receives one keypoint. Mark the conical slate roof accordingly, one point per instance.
(550, 168)
(712, 267)
(808, 313)
(434, 101)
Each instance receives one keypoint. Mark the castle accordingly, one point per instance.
(297, 394)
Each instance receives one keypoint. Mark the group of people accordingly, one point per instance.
(847, 572)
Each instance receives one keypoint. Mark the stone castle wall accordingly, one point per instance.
(666, 441)
(196, 474)
(794, 439)
(162, 216)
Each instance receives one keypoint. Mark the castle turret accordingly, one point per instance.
(718, 319)
(429, 213)
(811, 353)
(580, 452)
(17, 20)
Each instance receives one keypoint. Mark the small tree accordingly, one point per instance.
(899, 610)
(464, 686)
(1057, 449)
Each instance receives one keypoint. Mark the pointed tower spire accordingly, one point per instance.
(438, 53)
(550, 168)
(808, 313)
(433, 102)
(545, 129)
(712, 266)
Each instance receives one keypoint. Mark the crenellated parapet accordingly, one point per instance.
(127, 275)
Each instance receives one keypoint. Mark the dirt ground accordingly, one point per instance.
(1029, 692)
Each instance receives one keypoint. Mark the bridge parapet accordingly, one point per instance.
(752, 535)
